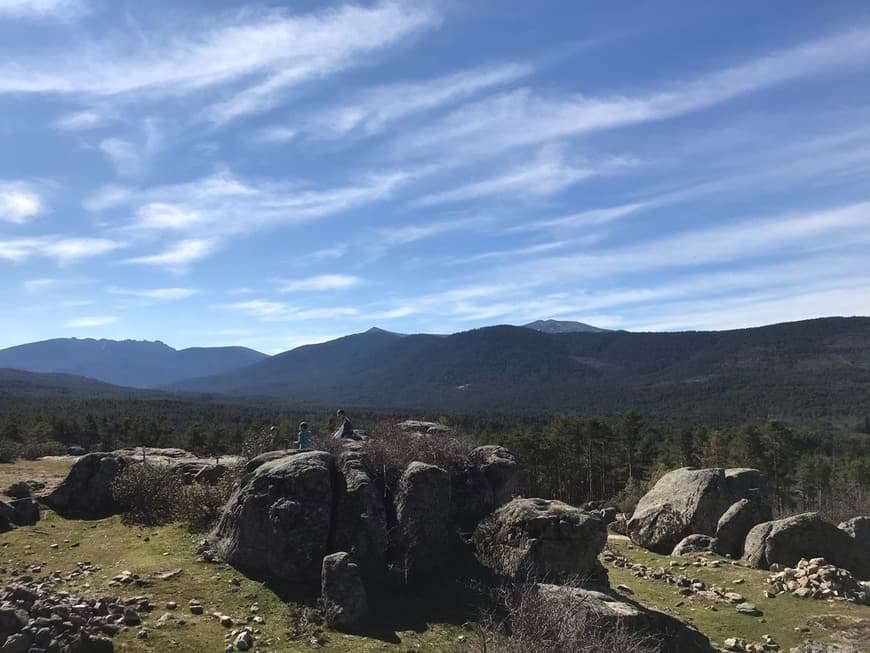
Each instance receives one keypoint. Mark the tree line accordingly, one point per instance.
(572, 458)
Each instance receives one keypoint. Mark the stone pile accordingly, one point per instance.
(35, 619)
(815, 579)
(741, 645)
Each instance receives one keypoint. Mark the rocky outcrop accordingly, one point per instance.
(544, 539)
(815, 579)
(277, 523)
(693, 544)
(858, 528)
(500, 468)
(24, 489)
(485, 482)
(343, 596)
(86, 492)
(786, 541)
(423, 515)
(690, 501)
(735, 524)
(609, 610)
(360, 519)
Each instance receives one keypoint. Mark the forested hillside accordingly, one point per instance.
(816, 370)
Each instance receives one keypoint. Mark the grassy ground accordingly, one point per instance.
(784, 616)
(117, 547)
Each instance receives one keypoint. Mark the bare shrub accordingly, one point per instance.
(257, 442)
(152, 494)
(200, 504)
(34, 450)
(148, 493)
(390, 450)
(524, 620)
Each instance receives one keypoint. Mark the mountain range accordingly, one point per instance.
(133, 363)
(814, 369)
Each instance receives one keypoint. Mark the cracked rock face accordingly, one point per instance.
(545, 539)
(278, 522)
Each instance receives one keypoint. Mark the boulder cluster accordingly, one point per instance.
(816, 579)
(723, 504)
(727, 511)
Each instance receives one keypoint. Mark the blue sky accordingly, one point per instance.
(210, 173)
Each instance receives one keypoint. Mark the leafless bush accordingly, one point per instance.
(148, 493)
(524, 620)
(200, 504)
(154, 493)
(390, 450)
(257, 442)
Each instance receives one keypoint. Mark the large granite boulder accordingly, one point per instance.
(609, 612)
(500, 468)
(733, 526)
(21, 512)
(693, 544)
(423, 516)
(343, 596)
(86, 492)
(485, 482)
(786, 541)
(690, 501)
(543, 539)
(360, 519)
(858, 528)
(277, 523)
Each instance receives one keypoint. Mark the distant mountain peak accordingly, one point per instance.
(563, 326)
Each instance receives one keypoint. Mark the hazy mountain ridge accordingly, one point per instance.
(132, 363)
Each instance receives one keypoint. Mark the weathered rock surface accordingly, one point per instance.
(500, 468)
(24, 489)
(694, 544)
(86, 492)
(277, 523)
(735, 524)
(21, 512)
(858, 528)
(487, 481)
(549, 540)
(687, 501)
(345, 604)
(360, 518)
(266, 457)
(611, 609)
(423, 514)
(786, 541)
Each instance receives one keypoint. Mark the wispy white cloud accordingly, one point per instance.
(375, 109)
(91, 321)
(157, 293)
(81, 120)
(63, 249)
(19, 202)
(321, 282)
(57, 9)
(405, 234)
(274, 49)
(546, 175)
(132, 158)
(270, 311)
(48, 284)
(179, 255)
(522, 117)
(222, 204)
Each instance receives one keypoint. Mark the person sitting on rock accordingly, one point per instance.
(304, 437)
(345, 427)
